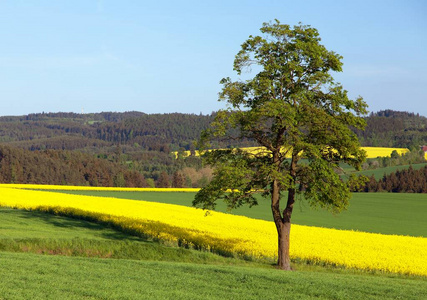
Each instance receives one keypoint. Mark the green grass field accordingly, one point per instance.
(147, 270)
(29, 276)
(26, 276)
(386, 213)
(379, 173)
(19, 224)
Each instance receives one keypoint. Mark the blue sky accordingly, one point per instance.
(169, 56)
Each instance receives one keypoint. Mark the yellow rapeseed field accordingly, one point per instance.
(93, 188)
(225, 233)
(372, 152)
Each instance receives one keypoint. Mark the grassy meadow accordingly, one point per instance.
(146, 269)
(29, 276)
(45, 256)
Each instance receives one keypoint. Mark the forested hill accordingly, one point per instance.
(390, 128)
(170, 132)
(70, 131)
(134, 149)
(64, 167)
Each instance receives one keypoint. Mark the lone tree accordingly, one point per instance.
(300, 118)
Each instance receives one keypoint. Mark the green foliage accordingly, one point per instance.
(292, 106)
(230, 181)
(150, 183)
(119, 180)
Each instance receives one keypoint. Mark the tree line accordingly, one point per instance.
(414, 156)
(64, 167)
(403, 181)
(90, 132)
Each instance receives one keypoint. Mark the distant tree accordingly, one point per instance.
(150, 182)
(178, 180)
(293, 108)
(119, 180)
(135, 179)
(118, 153)
(163, 181)
(394, 154)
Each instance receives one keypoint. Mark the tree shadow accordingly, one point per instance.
(69, 222)
(122, 228)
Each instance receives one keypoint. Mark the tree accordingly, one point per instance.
(300, 117)
(119, 180)
(394, 154)
(163, 181)
(178, 180)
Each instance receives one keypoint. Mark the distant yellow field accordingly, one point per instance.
(372, 152)
(93, 188)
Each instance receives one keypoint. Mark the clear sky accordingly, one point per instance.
(169, 56)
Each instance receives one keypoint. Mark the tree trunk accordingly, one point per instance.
(283, 222)
(284, 262)
(283, 226)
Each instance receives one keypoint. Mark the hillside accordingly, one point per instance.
(390, 128)
(70, 131)
(134, 148)
(61, 167)
(92, 132)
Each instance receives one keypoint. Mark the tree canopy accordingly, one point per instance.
(298, 114)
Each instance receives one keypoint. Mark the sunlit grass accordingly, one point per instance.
(29, 276)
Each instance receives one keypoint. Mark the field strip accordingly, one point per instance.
(231, 234)
(371, 152)
(93, 188)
